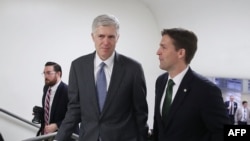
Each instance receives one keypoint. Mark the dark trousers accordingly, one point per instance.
(242, 123)
(231, 118)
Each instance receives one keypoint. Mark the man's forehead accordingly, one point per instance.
(49, 68)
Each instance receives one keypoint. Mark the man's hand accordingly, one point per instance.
(50, 128)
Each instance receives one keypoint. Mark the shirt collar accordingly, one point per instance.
(109, 62)
(178, 78)
(53, 88)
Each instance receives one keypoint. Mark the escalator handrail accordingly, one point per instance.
(38, 138)
(48, 136)
(17, 117)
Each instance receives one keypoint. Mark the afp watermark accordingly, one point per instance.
(237, 132)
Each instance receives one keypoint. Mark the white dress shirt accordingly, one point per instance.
(177, 80)
(107, 69)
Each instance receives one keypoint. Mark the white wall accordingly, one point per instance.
(33, 32)
(223, 29)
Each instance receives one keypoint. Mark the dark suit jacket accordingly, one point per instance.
(125, 112)
(197, 113)
(1, 138)
(235, 107)
(59, 105)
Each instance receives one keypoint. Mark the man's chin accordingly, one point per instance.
(48, 84)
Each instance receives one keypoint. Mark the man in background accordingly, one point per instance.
(54, 100)
(231, 106)
(242, 115)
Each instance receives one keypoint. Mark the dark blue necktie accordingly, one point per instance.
(101, 85)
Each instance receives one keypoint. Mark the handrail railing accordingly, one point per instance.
(42, 137)
(37, 138)
(49, 136)
(17, 117)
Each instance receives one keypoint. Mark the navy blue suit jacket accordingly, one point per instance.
(197, 112)
(235, 107)
(59, 105)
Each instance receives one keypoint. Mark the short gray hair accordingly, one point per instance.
(106, 20)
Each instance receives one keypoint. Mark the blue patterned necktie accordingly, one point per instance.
(167, 100)
(101, 85)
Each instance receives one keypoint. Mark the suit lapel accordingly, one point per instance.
(116, 79)
(160, 87)
(181, 94)
(90, 77)
(87, 85)
(56, 98)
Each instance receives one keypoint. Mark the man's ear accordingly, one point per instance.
(181, 53)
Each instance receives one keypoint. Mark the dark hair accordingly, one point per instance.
(243, 102)
(183, 39)
(57, 67)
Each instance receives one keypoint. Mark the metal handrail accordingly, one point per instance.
(17, 117)
(41, 137)
(49, 136)
(38, 138)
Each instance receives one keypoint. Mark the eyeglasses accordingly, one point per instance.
(48, 73)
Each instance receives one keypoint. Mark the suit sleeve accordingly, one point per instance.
(72, 117)
(155, 124)
(214, 112)
(140, 104)
(61, 106)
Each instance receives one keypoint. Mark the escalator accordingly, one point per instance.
(12, 117)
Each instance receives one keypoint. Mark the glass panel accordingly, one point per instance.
(239, 88)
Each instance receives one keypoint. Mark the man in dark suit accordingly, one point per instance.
(123, 113)
(231, 106)
(197, 111)
(57, 91)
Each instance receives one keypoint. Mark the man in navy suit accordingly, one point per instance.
(231, 106)
(58, 99)
(197, 111)
(124, 114)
